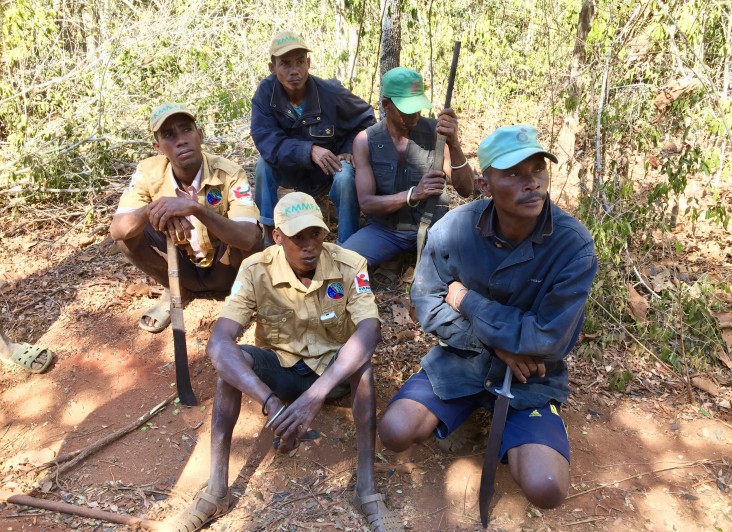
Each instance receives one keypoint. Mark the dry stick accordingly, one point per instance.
(681, 341)
(90, 513)
(625, 329)
(73, 458)
(639, 475)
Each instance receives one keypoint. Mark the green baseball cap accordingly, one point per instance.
(508, 146)
(405, 88)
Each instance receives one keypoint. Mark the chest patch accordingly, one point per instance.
(335, 291)
(362, 283)
(213, 196)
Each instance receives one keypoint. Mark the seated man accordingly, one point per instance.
(317, 327)
(502, 282)
(202, 201)
(303, 127)
(394, 173)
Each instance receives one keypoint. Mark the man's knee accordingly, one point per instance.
(545, 491)
(397, 429)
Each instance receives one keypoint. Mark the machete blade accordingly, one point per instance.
(495, 436)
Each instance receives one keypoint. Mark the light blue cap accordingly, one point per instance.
(508, 146)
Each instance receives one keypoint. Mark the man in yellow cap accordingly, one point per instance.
(316, 330)
(303, 127)
(394, 175)
(202, 201)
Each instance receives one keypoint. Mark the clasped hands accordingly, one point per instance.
(522, 366)
(168, 215)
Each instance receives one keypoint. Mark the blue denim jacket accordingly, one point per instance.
(528, 299)
(332, 116)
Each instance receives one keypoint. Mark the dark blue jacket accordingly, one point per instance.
(332, 117)
(527, 300)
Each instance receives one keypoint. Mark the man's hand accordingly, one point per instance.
(431, 184)
(348, 157)
(522, 366)
(160, 211)
(295, 421)
(328, 162)
(455, 293)
(179, 230)
(447, 124)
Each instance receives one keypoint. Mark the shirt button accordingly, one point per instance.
(488, 383)
(284, 320)
(499, 245)
(318, 119)
(333, 255)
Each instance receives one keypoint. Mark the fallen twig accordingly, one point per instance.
(91, 513)
(73, 458)
(639, 475)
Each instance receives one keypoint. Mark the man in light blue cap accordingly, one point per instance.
(502, 283)
(394, 176)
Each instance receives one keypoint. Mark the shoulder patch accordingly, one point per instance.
(242, 194)
(362, 283)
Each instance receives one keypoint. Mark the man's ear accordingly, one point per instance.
(157, 147)
(277, 236)
(200, 133)
(483, 183)
(271, 68)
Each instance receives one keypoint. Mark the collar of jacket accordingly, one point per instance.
(311, 111)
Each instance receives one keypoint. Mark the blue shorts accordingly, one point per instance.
(288, 383)
(532, 425)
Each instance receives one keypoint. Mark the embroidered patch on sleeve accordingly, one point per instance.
(135, 177)
(362, 283)
(243, 194)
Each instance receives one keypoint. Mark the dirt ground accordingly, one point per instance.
(647, 459)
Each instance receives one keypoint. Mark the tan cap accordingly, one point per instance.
(286, 41)
(165, 111)
(297, 211)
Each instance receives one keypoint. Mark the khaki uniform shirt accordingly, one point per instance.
(298, 322)
(224, 189)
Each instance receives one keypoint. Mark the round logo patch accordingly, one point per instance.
(213, 196)
(335, 291)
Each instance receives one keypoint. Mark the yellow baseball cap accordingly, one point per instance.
(297, 211)
(161, 113)
(286, 41)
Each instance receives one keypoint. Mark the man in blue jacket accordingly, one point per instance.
(502, 282)
(303, 127)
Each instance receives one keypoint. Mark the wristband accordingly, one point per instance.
(409, 197)
(465, 163)
(454, 298)
(264, 404)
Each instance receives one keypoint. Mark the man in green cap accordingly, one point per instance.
(202, 201)
(502, 283)
(394, 175)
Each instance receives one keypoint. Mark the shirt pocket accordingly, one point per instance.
(274, 325)
(335, 321)
(384, 177)
(322, 132)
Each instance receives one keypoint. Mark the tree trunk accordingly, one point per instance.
(391, 39)
(570, 186)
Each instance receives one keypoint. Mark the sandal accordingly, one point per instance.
(156, 318)
(26, 354)
(192, 519)
(382, 520)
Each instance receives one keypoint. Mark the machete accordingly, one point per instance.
(438, 163)
(182, 377)
(490, 463)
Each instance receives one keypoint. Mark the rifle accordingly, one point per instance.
(439, 162)
(182, 376)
